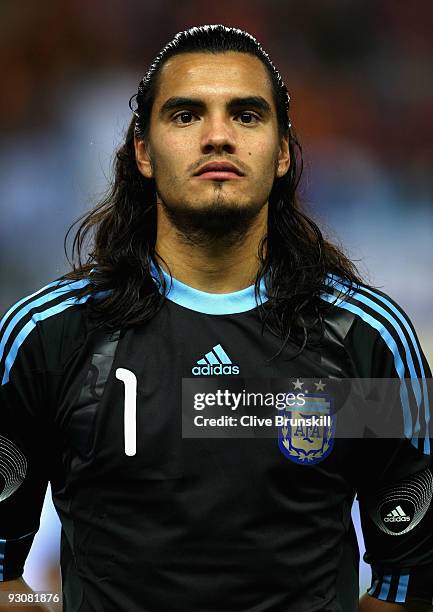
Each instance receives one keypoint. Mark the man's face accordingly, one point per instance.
(213, 108)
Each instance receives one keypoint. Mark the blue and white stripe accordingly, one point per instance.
(3, 543)
(7, 358)
(381, 587)
(396, 320)
(16, 306)
(403, 583)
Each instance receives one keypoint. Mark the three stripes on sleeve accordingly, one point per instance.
(383, 315)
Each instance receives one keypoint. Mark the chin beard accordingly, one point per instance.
(218, 222)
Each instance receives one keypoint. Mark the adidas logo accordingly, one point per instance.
(216, 362)
(396, 516)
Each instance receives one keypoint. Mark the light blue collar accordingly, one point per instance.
(209, 303)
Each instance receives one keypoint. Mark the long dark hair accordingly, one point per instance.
(294, 257)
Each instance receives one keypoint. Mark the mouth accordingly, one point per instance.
(219, 171)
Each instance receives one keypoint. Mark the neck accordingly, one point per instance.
(215, 267)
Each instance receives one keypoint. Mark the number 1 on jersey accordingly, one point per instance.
(130, 409)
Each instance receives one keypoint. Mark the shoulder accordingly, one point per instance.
(42, 324)
(381, 343)
(368, 304)
(377, 328)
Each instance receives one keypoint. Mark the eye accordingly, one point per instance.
(183, 117)
(248, 117)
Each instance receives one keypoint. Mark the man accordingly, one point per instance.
(205, 271)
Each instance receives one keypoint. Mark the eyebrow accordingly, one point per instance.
(256, 102)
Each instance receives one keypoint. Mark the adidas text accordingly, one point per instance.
(216, 369)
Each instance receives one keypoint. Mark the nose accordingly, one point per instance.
(218, 135)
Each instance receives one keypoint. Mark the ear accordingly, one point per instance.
(142, 158)
(283, 161)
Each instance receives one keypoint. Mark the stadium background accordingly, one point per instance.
(358, 74)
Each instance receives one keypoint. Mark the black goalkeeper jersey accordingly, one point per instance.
(155, 521)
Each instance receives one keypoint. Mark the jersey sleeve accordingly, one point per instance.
(23, 468)
(395, 484)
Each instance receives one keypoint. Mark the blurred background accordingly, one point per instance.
(358, 74)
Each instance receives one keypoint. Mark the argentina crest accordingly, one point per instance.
(307, 434)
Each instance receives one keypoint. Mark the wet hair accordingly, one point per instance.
(294, 257)
(207, 39)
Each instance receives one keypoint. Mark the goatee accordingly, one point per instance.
(221, 222)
